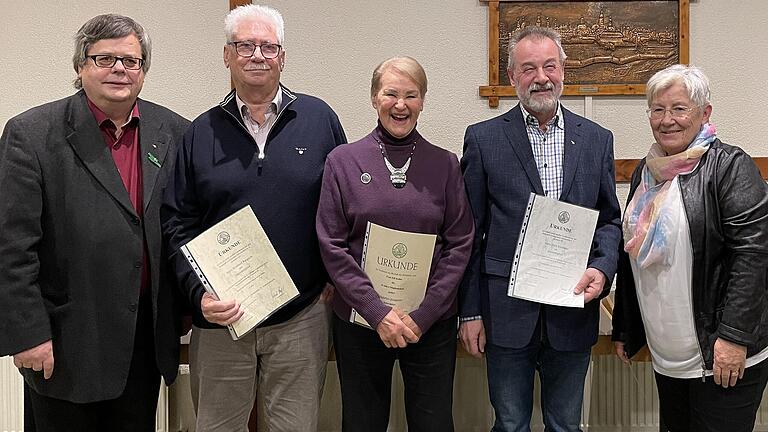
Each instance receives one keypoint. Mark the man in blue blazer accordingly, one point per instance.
(87, 305)
(541, 147)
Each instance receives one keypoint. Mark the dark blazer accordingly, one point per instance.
(500, 172)
(71, 247)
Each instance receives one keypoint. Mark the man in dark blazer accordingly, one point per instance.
(541, 147)
(86, 305)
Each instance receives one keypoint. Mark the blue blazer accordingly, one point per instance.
(500, 172)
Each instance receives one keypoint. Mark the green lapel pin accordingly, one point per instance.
(152, 158)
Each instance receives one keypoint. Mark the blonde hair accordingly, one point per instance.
(405, 65)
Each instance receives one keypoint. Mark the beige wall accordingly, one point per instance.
(333, 45)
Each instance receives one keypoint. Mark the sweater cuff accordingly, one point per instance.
(423, 319)
(374, 314)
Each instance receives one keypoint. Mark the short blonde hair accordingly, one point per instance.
(405, 65)
(690, 77)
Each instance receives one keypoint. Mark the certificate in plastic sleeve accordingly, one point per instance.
(552, 252)
(234, 259)
(398, 264)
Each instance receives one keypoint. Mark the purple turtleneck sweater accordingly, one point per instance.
(433, 201)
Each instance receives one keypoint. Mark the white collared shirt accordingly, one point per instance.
(259, 132)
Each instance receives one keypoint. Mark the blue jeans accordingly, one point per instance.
(510, 384)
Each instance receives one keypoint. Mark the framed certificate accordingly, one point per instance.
(398, 264)
(552, 252)
(234, 259)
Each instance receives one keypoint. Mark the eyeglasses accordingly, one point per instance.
(247, 48)
(678, 112)
(108, 61)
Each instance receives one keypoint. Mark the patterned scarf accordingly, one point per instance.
(650, 217)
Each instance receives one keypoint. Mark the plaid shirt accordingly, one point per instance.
(548, 150)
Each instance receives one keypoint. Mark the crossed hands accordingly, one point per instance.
(398, 329)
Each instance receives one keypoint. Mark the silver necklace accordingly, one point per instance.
(396, 175)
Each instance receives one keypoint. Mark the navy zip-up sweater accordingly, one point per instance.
(218, 171)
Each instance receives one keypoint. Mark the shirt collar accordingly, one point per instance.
(529, 119)
(101, 117)
(243, 108)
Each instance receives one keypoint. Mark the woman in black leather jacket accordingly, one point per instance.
(693, 268)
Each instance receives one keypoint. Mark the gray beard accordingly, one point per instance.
(539, 105)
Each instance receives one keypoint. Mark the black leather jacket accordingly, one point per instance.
(726, 204)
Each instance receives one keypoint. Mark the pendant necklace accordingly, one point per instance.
(396, 175)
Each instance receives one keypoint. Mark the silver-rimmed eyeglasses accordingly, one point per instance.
(247, 48)
(108, 61)
(678, 112)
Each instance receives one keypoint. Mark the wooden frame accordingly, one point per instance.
(235, 3)
(624, 168)
(497, 89)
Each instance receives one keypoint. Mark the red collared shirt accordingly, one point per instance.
(126, 152)
(124, 146)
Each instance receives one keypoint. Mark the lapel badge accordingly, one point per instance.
(152, 158)
(301, 150)
(365, 178)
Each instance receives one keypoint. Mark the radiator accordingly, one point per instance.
(11, 397)
(623, 398)
(617, 398)
(620, 398)
(12, 400)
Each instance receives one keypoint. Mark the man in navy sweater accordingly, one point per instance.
(263, 146)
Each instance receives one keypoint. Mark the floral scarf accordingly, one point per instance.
(650, 217)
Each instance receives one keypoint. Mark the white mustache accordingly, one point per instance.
(536, 87)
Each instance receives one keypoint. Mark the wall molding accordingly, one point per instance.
(624, 168)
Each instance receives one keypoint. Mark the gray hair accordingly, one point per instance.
(537, 33)
(252, 11)
(690, 77)
(108, 26)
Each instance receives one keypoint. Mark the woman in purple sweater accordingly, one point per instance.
(395, 178)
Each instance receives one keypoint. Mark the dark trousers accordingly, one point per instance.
(365, 373)
(696, 406)
(132, 411)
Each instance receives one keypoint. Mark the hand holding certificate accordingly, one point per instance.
(234, 259)
(552, 252)
(398, 264)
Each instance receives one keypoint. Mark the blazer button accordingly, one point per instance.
(137, 264)
(135, 221)
(132, 307)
